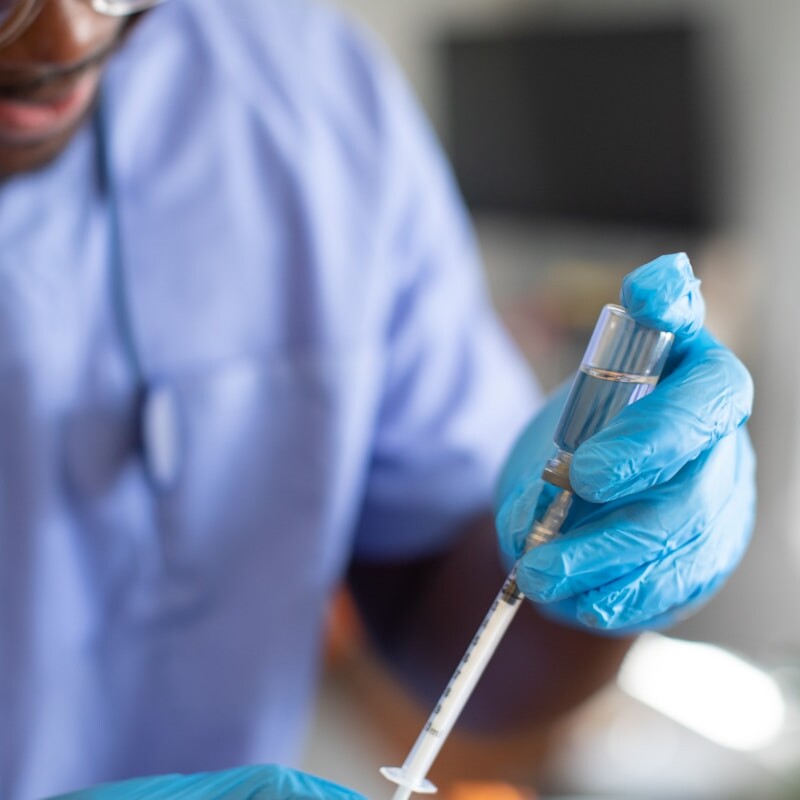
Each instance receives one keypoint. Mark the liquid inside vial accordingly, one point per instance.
(597, 396)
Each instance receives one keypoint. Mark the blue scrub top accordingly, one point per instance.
(292, 331)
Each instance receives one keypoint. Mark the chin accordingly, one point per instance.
(18, 158)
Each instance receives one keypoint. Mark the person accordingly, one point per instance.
(246, 355)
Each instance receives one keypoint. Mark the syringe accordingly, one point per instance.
(622, 364)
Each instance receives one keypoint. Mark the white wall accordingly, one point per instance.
(757, 57)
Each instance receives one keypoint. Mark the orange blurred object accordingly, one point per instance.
(486, 791)
(344, 634)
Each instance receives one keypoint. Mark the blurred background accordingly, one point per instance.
(589, 136)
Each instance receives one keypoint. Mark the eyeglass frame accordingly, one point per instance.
(21, 19)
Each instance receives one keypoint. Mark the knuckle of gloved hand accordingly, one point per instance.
(730, 406)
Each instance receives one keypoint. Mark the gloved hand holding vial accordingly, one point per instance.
(634, 555)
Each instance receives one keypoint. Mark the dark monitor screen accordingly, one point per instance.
(594, 125)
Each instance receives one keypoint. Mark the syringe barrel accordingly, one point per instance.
(622, 364)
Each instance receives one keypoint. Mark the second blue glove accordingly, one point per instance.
(269, 782)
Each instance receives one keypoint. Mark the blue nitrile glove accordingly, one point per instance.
(244, 783)
(665, 493)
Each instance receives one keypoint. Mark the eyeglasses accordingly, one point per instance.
(16, 15)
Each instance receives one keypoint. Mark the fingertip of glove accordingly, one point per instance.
(535, 585)
(541, 575)
(666, 295)
(595, 477)
(590, 490)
